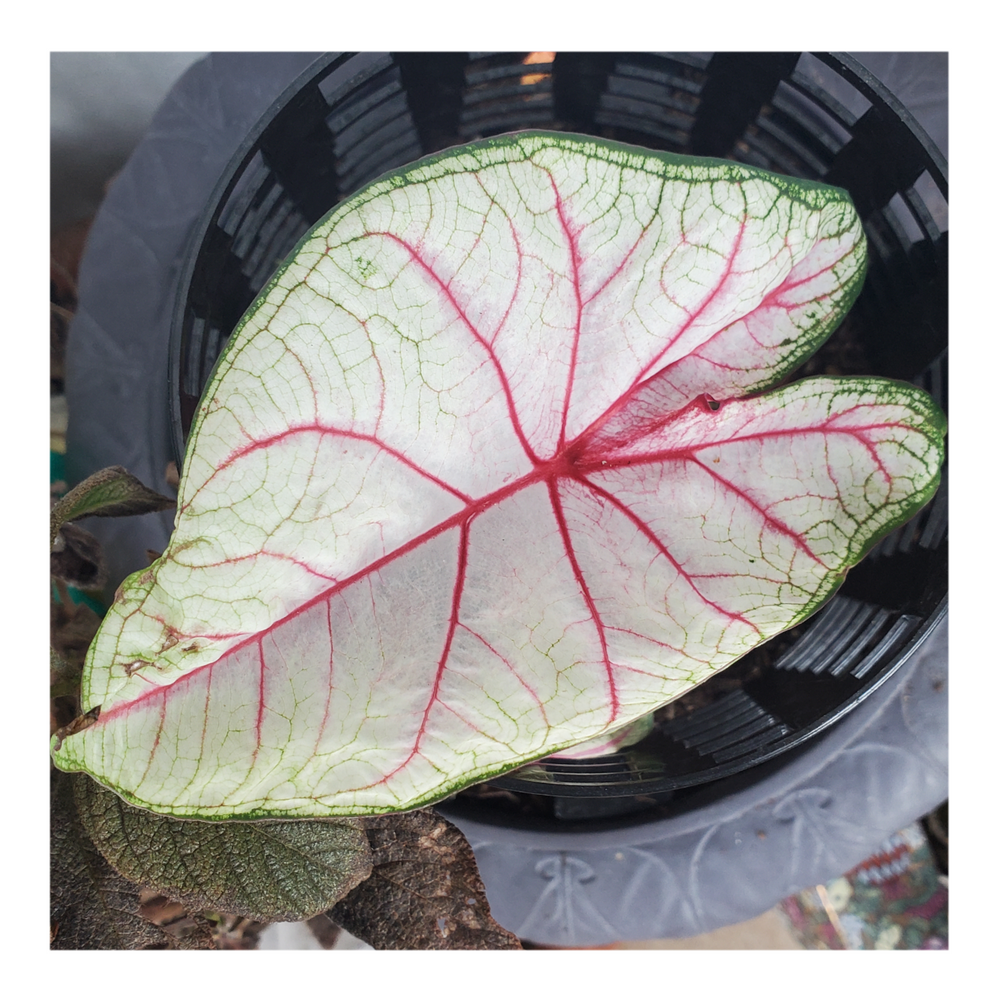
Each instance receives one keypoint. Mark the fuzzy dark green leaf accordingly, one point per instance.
(267, 871)
(424, 891)
(112, 492)
(92, 906)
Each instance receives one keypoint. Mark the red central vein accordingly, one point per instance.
(560, 516)
(548, 472)
(689, 451)
(662, 548)
(574, 256)
(459, 519)
(479, 338)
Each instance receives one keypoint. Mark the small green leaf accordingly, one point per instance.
(424, 891)
(112, 492)
(266, 871)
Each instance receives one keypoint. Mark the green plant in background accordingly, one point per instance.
(488, 471)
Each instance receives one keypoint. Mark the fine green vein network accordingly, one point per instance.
(488, 470)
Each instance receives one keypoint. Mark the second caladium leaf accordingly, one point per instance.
(483, 475)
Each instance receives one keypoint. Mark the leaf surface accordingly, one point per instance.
(485, 473)
(424, 892)
(267, 871)
(111, 492)
(93, 907)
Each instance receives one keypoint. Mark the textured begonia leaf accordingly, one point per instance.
(91, 905)
(482, 475)
(424, 892)
(279, 870)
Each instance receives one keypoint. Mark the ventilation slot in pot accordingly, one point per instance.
(848, 635)
(655, 96)
(372, 126)
(930, 205)
(203, 347)
(505, 92)
(731, 728)
(830, 88)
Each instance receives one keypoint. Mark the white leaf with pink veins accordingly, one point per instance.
(482, 475)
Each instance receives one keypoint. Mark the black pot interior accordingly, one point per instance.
(351, 117)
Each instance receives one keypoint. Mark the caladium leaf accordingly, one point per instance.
(483, 474)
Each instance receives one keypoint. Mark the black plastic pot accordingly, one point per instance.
(261, 173)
